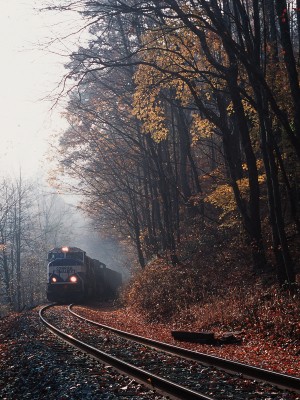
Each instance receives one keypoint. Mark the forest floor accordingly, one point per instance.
(31, 368)
(254, 348)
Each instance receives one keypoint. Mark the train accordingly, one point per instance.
(75, 277)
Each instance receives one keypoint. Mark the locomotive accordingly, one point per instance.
(75, 277)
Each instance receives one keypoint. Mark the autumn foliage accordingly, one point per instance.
(187, 115)
(200, 298)
(184, 144)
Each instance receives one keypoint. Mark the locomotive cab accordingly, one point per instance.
(74, 277)
(66, 275)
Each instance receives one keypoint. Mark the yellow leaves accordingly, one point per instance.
(230, 109)
(177, 55)
(156, 129)
(223, 196)
(201, 128)
(249, 111)
(171, 58)
(262, 178)
(151, 113)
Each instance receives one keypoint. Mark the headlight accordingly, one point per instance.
(53, 279)
(73, 279)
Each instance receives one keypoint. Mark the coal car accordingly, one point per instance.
(74, 277)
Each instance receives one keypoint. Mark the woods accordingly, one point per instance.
(30, 220)
(184, 119)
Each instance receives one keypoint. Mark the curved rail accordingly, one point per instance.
(164, 386)
(277, 379)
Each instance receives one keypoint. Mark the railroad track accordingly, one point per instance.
(200, 375)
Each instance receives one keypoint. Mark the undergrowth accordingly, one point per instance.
(215, 290)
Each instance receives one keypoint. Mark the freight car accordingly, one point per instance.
(75, 277)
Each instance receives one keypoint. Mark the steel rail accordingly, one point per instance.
(248, 371)
(161, 385)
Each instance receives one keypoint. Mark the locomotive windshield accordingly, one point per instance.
(57, 253)
(75, 255)
(53, 256)
(59, 261)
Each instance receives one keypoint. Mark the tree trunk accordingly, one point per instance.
(290, 61)
(252, 222)
(285, 267)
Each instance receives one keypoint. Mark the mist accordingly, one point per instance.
(101, 247)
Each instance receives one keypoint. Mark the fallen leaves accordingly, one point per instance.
(255, 349)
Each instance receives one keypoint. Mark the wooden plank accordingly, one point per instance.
(195, 337)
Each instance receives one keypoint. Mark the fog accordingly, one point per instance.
(99, 246)
(106, 250)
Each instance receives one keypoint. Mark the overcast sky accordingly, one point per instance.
(28, 74)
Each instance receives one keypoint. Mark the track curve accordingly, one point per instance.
(163, 386)
(280, 380)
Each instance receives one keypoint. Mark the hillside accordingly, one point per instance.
(213, 288)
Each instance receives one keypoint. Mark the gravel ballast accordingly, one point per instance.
(34, 365)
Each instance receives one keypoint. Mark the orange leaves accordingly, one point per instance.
(263, 345)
